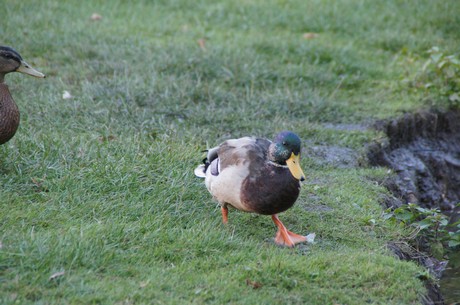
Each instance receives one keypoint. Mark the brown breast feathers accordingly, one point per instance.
(9, 115)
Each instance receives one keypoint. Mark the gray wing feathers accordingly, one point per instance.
(234, 152)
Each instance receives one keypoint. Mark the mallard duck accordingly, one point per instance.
(10, 61)
(258, 176)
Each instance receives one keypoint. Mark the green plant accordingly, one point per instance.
(441, 73)
(430, 223)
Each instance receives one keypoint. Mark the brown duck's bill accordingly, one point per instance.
(293, 164)
(27, 69)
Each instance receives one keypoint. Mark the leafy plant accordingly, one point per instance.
(430, 223)
(441, 73)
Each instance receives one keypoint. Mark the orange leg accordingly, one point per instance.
(284, 237)
(224, 211)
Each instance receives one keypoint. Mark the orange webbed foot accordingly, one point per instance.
(284, 237)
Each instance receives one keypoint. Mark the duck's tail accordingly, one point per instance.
(211, 156)
(200, 171)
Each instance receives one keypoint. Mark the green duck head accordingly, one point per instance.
(285, 150)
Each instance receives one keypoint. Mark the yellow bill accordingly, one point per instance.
(27, 69)
(293, 164)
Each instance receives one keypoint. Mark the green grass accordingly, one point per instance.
(101, 186)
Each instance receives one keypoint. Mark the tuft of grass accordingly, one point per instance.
(98, 202)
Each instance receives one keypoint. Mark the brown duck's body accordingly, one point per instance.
(10, 61)
(270, 198)
(267, 188)
(9, 115)
(258, 176)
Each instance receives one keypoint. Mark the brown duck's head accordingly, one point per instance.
(285, 150)
(11, 61)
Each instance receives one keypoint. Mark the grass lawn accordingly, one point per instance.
(98, 201)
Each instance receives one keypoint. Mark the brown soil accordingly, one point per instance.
(423, 150)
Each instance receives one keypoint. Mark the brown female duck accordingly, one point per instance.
(258, 176)
(10, 61)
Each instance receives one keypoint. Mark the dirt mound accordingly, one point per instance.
(423, 149)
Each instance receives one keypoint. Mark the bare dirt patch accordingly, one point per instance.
(423, 150)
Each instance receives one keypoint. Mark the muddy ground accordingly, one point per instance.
(423, 151)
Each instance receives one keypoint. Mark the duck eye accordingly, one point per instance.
(284, 143)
